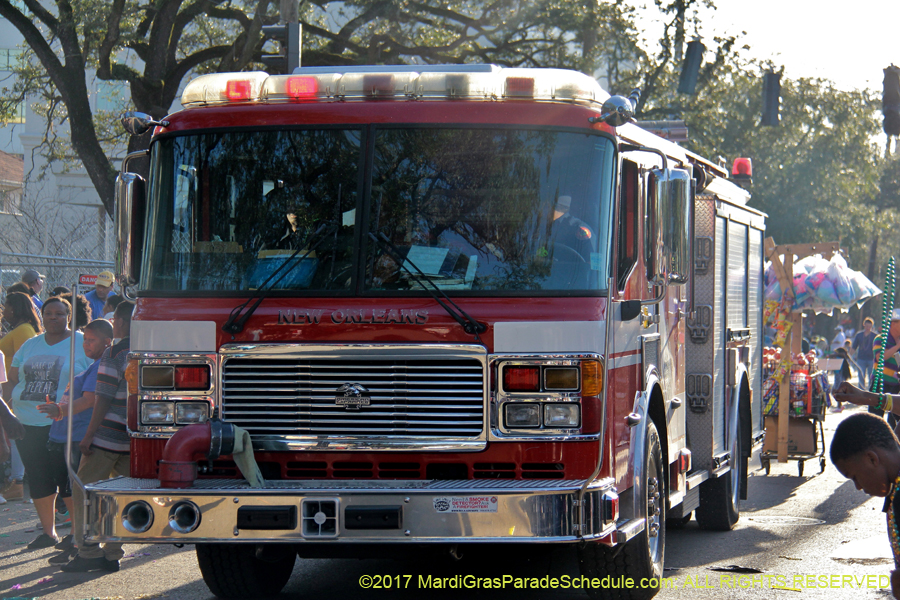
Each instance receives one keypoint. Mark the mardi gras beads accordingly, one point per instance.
(887, 309)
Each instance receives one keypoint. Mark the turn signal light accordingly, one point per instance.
(192, 378)
(131, 376)
(591, 378)
(521, 379)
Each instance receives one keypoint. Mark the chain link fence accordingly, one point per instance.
(57, 270)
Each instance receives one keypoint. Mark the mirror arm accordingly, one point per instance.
(128, 158)
(658, 299)
(634, 148)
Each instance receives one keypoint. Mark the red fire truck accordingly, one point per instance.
(450, 305)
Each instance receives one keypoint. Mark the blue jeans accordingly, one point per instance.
(866, 368)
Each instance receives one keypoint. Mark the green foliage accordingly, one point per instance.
(819, 175)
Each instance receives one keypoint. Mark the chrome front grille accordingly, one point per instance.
(292, 397)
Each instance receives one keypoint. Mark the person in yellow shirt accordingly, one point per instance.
(24, 323)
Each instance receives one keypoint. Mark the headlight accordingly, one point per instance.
(191, 412)
(520, 415)
(562, 416)
(157, 413)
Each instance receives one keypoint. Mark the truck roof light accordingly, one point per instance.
(223, 88)
(238, 89)
(444, 82)
(378, 85)
(302, 87)
(520, 87)
(743, 167)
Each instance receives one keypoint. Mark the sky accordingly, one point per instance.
(847, 42)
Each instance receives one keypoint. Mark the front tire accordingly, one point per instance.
(236, 571)
(642, 557)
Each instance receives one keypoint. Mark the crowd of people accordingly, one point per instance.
(856, 351)
(35, 357)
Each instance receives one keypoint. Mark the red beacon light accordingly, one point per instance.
(302, 87)
(742, 172)
(238, 89)
(520, 87)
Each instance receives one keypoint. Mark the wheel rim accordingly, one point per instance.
(654, 522)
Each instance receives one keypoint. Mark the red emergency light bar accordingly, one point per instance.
(302, 87)
(238, 89)
(522, 87)
(475, 82)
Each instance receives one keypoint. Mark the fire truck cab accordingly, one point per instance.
(434, 306)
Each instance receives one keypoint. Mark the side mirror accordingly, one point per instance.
(677, 238)
(667, 238)
(655, 257)
(618, 110)
(137, 123)
(130, 208)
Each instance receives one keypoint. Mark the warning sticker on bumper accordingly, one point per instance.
(466, 504)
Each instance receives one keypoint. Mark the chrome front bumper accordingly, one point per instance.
(363, 511)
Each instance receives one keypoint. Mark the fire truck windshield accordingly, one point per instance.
(476, 210)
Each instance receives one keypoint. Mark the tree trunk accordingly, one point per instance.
(870, 273)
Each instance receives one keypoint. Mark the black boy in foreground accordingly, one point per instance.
(866, 451)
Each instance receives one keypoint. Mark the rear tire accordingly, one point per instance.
(720, 501)
(235, 571)
(642, 557)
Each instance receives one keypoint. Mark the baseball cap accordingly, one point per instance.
(31, 276)
(105, 278)
(839, 328)
(895, 314)
(563, 203)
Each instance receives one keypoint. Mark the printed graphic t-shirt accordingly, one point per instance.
(43, 371)
(84, 382)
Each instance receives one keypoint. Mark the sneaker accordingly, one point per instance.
(14, 491)
(2, 499)
(63, 557)
(83, 565)
(43, 541)
(63, 520)
(66, 543)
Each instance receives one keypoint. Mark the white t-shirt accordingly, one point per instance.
(43, 371)
(3, 378)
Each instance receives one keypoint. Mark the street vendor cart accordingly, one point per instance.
(795, 385)
(809, 389)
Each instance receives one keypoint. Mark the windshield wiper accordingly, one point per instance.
(236, 320)
(469, 324)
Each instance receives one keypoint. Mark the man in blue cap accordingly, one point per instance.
(35, 283)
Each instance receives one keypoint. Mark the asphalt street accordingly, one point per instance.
(814, 536)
